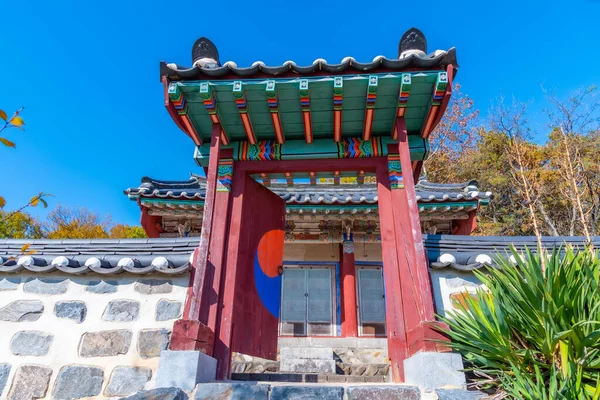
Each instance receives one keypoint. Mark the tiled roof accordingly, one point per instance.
(194, 189)
(467, 253)
(172, 256)
(102, 256)
(438, 59)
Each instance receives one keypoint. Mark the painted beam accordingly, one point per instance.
(370, 107)
(273, 102)
(270, 150)
(338, 98)
(242, 104)
(403, 94)
(177, 107)
(210, 102)
(225, 175)
(305, 106)
(439, 89)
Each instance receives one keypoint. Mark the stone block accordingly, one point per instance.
(127, 380)
(72, 309)
(121, 311)
(78, 381)
(9, 284)
(21, 311)
(170, 393)
(459, 394)
(167, 309)
(184, 369)
(153, 286)
(312, 353)
(307, 366)
(152, 341)
(30, 382)
(4, 372)
(102, 287)
(105, 343)
(434, 370)
(383, 392)
(231, 391)
(307, 392)
(31, 343)
(46, 286)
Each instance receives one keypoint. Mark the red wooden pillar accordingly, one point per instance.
(190, 333)
(420, 309)
(348, 288)
(409, 299)
(465, 226)
(394, 311)
(150, 223)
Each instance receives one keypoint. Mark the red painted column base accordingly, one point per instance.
(192, 335)
(425, 337)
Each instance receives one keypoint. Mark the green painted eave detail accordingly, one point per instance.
(319, 149)
(319, 207)
(321, 106)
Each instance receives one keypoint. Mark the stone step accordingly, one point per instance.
(274, 391)
(371, 369)
(307, 378)
(309, 353)
(307, 365)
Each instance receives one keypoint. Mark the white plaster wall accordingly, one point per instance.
(67, 333)
(447, 281)
(311, 252)
(330, 252)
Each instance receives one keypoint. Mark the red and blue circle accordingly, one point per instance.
(268, 262)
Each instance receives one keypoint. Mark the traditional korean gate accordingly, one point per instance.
(252, 290)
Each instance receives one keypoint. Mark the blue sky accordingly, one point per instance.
(87, 73)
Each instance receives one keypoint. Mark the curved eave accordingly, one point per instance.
(437, 60)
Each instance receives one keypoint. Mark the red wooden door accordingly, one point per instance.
(259, 266)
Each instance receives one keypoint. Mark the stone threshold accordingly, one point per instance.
(306, 378)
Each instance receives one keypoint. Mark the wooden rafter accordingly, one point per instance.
(177, 105)
(439, 89)
(338, 94)
(305, 106)
(370, 107)
(242, 104)
(313, 178)
(403, 93)
(273, 102)
(336, 177)
(210, 102)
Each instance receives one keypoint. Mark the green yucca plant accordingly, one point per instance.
(535, 332)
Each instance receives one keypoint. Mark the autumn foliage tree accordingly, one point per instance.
(550, 186)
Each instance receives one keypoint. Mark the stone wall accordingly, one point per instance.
(92, 337)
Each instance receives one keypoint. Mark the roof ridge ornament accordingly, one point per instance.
(412, 42)
(205, 54)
